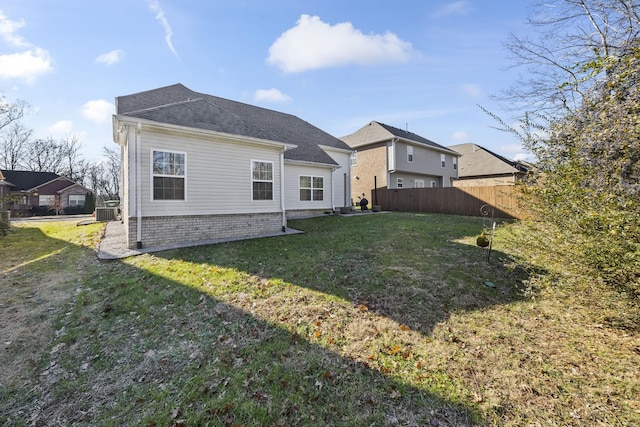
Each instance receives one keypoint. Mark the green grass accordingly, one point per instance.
(367, 320)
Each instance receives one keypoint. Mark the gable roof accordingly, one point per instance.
(478, 161)
(27, 180)
(179, 105)
(378, 132)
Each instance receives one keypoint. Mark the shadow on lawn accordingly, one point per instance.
(411, 268)
(143, 349)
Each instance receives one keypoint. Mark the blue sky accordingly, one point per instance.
(424, 66)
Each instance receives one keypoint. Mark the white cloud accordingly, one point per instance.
(112, 57)
(26, 65)
(99, 110)
(462, 7)
(8, 29)
(270, 95)
(460, 135)
(313, 44)
(154, 5)
(472, 90)
(63, 127)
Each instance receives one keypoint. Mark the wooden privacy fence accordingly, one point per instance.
(504, 199)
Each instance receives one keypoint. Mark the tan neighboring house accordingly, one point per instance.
(481, 167)
(389, 157)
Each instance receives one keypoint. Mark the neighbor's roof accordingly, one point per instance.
(179, 105)
(478, 161)
(27, 180)
(378, 132)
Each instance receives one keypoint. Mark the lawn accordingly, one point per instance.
(382, 319)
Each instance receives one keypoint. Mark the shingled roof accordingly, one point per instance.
(478, 161)
(27, 180)
(378, 132)
(179, 105)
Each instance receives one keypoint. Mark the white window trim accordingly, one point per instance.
(84, 198)
(434, 184)
(419, 183)
(409, 154)
(353, 159)
(455, 163)
(311, 188)
(47, 197)
(399, 183)
(165, 150)
(443, 160)
(273, 172)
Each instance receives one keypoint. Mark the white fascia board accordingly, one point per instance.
(314, 164)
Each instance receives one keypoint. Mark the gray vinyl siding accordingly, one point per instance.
(426, 162)
(292, 173)
(218, 176)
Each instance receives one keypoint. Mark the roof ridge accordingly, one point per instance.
(157, 107)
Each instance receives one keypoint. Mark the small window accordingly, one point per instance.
(311, 188)
(76, 199)
(434, 184)
(169, 169)
(400, 183)
(419, 183)
(443, 160)
(410, 154)
(455, 163)
(262, 180)
(354, 158)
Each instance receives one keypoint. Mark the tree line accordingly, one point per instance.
(579, 114)
(20, 150)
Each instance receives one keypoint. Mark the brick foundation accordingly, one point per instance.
(167, 230)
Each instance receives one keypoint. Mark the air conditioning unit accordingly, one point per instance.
(106, 214)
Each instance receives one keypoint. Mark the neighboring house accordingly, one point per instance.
(393, 158)
(198, 167)
(29, 193)
(481, 167)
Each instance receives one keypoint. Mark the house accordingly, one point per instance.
(386, 156)
(481, 167)
(28, 193)
(198, 167)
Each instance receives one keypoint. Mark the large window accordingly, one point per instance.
(443, 160)
(410, 154)
(262, 180)
(76, 199)
(169, 171)
(46, 200)
(311, 188)
(419, 183)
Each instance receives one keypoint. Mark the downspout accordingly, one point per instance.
(284, 213)
(138, 188)
(333, 191)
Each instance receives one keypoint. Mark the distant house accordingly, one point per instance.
(481, 167)
(198, 167)
(394, 158)
(32, 193)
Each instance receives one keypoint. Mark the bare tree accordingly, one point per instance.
(14, 141)
(104, 176)
(69, 152)
(11, 112)
(45, 155)
(569, 37)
